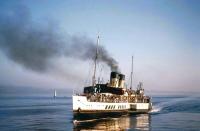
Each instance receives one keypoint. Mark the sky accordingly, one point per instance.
(163, 37)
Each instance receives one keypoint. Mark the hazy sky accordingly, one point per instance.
(162, 35)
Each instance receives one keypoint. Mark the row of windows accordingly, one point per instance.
(110, 107)
(122, 107)
(113, 107)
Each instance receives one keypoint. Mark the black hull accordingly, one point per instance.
(86, 115)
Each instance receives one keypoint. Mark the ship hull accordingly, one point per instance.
(96, 115)
(93, 114)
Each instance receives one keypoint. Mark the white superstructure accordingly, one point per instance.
(81, 104)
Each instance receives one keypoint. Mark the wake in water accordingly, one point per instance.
(175, 104)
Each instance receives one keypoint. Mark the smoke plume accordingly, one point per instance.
(33, 45)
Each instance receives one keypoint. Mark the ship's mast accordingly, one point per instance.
(131, 74)
(95, 63)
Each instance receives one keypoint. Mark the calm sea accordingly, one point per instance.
(45, 113)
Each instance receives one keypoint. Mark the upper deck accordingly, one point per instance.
(103, 88)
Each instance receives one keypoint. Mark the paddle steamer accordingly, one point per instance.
(112, 97)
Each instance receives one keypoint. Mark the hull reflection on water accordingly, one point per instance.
(139, 122)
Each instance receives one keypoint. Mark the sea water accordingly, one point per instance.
(46, 113)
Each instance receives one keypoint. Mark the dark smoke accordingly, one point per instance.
(85, 49)
(35, 45)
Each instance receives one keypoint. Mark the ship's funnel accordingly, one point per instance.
(121, 80)
(114, 79)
